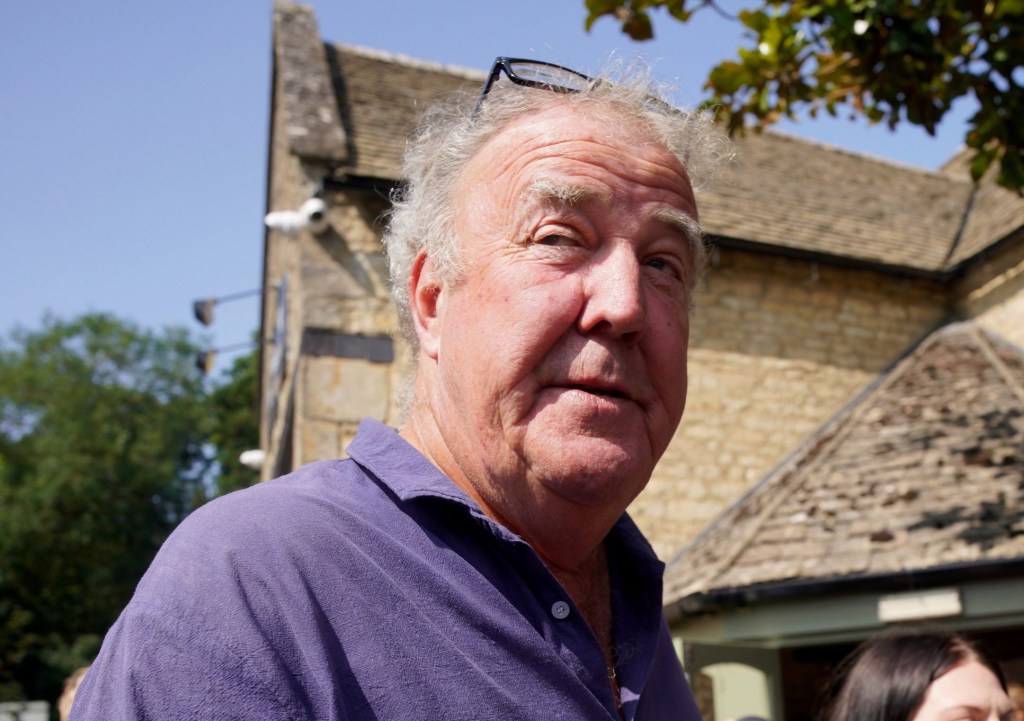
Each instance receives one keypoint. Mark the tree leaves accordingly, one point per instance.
(890, 61)
(106, 435)
(233, 405)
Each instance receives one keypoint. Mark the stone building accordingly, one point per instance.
(828, 268)
(908, 506)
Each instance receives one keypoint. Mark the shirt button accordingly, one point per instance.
(560, 610)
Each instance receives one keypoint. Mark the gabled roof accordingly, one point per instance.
(355, 108)
(995, 213)
(381, 95)
(800, 196)
(924, 471)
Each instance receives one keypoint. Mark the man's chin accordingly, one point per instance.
(593, 473)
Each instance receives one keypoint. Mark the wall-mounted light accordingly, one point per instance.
(202, 309)
(206, 358)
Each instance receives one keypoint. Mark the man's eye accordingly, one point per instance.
(556, 240)
(665, 266)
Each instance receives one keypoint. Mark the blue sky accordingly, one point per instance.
(133, 136)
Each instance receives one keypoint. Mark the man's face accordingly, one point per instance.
(561, 352)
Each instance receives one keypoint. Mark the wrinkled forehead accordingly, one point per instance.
(581, 143)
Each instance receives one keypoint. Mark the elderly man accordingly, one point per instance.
(478, 563)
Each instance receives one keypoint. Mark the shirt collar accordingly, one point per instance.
(403, 469)
(407, 472)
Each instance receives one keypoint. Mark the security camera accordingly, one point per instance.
(312, 215)
(314, 211)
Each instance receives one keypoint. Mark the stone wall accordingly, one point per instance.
(778, 346)
(992, 293)
(352, 366)
(290, 185)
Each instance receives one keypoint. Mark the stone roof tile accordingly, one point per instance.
(925, 469)
(995, 214)
(825, 200)
(381, 95)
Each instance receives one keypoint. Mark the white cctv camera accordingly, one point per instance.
(312, 215)
(314, 211)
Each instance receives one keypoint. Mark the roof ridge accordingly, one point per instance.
(413, 62)
(984, 342)
(964, 219)
(826, 145)
(843, 423)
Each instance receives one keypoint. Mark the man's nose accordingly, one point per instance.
(614, 299)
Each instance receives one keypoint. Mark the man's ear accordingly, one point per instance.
(425, 301)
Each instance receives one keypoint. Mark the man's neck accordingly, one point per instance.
(590, 589)
(575, 556)
(589, 586)
(562, 533)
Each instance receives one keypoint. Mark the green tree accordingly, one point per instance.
(104, 432)
(892, 61)
(233, 412)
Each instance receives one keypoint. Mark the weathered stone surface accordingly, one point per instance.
(313, 125)
(318, 440)
(925, 470)
(343, 389)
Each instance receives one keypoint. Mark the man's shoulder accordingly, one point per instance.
(275, 522)
(261, 541)
(278, 495)
(266, 511)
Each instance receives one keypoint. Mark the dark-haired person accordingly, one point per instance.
(909, 675)
(1016, 691)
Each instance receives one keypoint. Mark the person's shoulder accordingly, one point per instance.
(279, 497)
(272, 530)
(269, 517)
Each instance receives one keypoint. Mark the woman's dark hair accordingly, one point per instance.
(886, 677)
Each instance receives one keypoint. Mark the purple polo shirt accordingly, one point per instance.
(374, 588)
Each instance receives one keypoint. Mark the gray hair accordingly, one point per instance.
(448, 136)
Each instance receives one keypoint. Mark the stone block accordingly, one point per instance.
(318, 441)
(345, 389)
(366, 316)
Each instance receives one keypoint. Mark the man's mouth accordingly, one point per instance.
(598, 391)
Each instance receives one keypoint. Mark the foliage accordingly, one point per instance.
(233, 408)
(889, 60)
(105, 434)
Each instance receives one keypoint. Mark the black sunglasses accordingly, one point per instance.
(534, 74)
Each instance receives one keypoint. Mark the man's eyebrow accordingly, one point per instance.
(682, 222)
(572, 195)
(560, 192)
